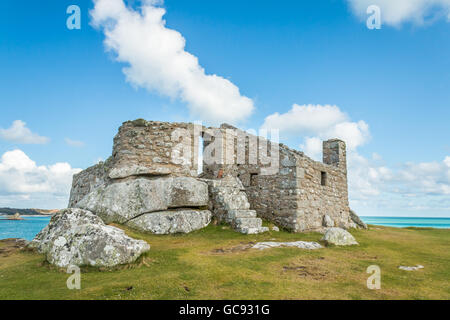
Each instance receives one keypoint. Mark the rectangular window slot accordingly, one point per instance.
(323, 178)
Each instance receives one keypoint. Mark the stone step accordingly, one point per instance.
(240, 223)
(235, 214)
(254, 230)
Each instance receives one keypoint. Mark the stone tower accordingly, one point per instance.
(334, 153)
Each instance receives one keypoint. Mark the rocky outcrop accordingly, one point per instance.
(121, 202)
(229, 203)
(88, 180)
(134, 170)
(357, 220)
(16, 217)
(327, 222)
(170, 222)
(78, 237)
(339, 237)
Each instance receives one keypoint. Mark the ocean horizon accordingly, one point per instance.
(32, 225)
(24, 229)
(404, 222)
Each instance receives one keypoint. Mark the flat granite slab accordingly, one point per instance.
(297, 244)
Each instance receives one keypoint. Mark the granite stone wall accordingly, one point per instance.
(147, 147)
(284, 185)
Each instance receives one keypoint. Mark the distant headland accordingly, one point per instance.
(27, 212)
(15, 217)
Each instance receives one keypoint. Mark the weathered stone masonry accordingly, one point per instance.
(301, 195)
(140, 148)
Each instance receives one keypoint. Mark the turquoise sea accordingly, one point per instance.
(400, 222)
(25, 229)
(28, 228)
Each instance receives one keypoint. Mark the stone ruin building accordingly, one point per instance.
(152, 183)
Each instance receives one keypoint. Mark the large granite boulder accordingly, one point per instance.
(339, 237)
(357, 220)
(122, 201)
(327, 221)
(170, 222)
(78, 237)
(187, 192)
(135, 170)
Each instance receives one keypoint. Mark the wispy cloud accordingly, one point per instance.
(319, 122)
(19, 133)
(157, 60)
(74, 143)
(396, 12)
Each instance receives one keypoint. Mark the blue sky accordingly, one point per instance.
(396, 81)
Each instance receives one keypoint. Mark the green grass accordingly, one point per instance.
(202, 265)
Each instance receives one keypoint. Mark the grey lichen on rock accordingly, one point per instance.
(78, 237)
(171, 222)
(339, 237)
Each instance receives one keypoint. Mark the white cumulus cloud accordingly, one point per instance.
(313, 147)
(319, 122)
(306, 119)
(19, 133)
(396, 12)
(157, 61)
(22, 178)
(407, 189)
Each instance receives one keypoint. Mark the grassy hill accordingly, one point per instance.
(215, 263)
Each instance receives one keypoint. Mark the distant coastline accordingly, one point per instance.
(407, 222)
(28, 212)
